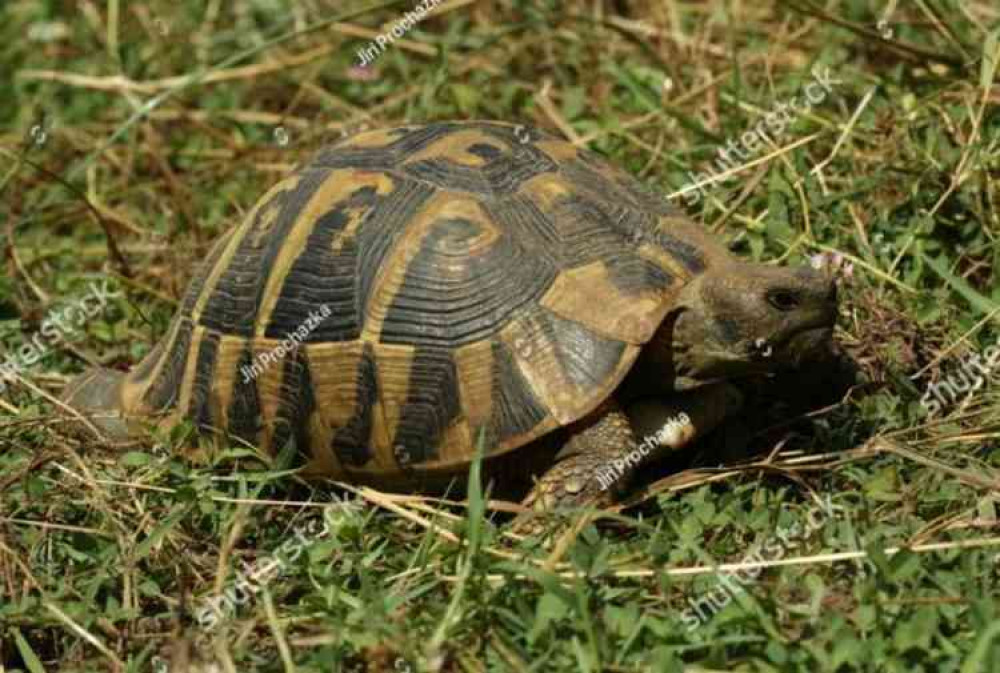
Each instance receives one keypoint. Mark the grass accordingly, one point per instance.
(134, 133)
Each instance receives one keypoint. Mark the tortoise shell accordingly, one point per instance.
(413, 287)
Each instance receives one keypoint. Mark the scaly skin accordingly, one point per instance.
(608, 435)
(596, 442)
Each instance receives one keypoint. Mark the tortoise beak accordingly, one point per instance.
(809, 344)
(812, 337)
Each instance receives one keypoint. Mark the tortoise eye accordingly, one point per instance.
(783, 300)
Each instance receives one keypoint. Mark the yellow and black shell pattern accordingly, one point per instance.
(455, 279)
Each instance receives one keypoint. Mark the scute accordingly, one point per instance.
(480, 279)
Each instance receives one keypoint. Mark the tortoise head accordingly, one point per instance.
(738, 319)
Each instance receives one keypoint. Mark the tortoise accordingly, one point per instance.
(414, 292)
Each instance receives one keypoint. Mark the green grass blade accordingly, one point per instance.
(31, 659)
(980, 303)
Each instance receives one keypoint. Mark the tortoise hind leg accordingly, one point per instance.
(97, 395)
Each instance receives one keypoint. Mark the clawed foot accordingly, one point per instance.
(564, 494)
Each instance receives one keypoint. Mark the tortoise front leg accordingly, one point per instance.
(603, 452)
(673, 423)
